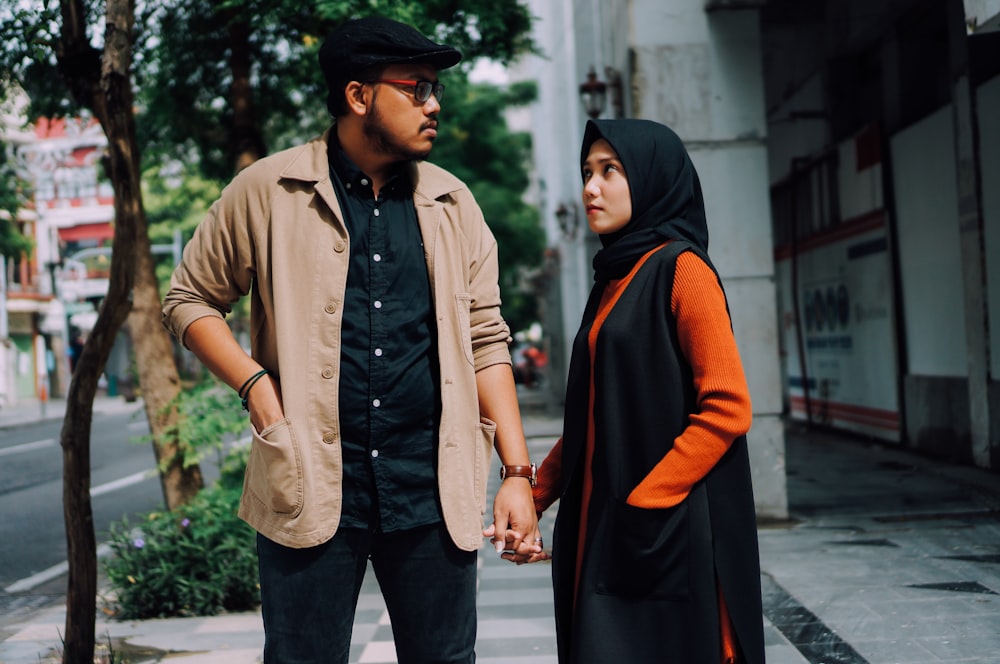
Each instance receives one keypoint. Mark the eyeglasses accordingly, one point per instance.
(422, 90)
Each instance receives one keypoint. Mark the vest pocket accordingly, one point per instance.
(646, 552)
(274, 469)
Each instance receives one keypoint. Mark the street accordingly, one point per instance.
(32, 535)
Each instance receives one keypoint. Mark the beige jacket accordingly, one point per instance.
(277, 233)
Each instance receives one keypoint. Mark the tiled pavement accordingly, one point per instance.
(890, 558)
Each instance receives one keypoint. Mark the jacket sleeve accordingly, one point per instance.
(723, 398)
(490, 333)
(217, 266)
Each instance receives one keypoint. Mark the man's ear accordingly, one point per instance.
(357, 97)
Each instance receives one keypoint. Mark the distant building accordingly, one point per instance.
(51, 296)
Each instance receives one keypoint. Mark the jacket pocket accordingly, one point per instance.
(463, 307)
(274, 469)
(646, 552)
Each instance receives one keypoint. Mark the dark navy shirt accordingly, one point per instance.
(389, 396)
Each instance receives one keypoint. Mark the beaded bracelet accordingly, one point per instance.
(244, 391)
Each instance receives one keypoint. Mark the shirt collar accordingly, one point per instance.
(357, 181)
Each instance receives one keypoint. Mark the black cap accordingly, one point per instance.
(366, 42)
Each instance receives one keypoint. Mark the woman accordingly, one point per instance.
(655, 545)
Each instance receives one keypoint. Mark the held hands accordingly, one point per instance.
(514, 532)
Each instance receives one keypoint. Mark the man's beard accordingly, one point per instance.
(384, 142)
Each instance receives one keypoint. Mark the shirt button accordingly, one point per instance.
(378, 352)
(364, 181)
(376, 212)
(377, 258)
(377, 403)
(348, 185)
(378, 304)
(374, 454)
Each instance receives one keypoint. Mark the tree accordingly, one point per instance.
(100, 80)
(47, 52)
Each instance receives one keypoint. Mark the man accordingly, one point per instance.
(379, 376)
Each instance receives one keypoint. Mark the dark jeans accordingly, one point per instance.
(309, 596)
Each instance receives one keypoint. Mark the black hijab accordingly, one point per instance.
(665, 191)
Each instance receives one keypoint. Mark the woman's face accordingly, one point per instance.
(606, 196)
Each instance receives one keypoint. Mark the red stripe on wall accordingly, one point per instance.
(833, 410)
(856, 226)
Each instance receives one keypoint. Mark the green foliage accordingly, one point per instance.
(209, 413)
(12, 243)
(184, 76)
(176, 198)
(28, 32)
(196, 561)
(201, 558)
(475, 143)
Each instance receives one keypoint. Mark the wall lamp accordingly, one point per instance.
(569, 224)
(594, 93)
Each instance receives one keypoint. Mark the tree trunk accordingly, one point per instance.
(159, 379)
(247, 142)
(103, 85)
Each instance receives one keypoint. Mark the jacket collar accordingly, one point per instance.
(311, 165)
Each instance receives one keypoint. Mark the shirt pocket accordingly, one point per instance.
(646, 552)
(463, 307)
(274, 469)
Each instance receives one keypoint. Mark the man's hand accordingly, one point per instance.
(264, 402)
(514, 531)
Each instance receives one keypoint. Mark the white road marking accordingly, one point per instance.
(56, 570)
(114, 485)
(48, 574)
(28, 447)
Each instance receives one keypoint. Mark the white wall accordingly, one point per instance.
(985, 13)
(923, 158)
(988, 100)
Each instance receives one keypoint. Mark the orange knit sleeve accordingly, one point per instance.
(723, 398)
(548, 478)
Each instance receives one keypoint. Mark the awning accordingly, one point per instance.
(101, 231)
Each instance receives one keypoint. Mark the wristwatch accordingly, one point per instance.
(518, 471)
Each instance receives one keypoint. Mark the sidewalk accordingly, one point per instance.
(30, 411)
(889, 557)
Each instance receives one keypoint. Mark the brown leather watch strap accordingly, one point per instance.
(528, 472)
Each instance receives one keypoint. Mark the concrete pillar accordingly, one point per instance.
(700, 72)
(970, 229)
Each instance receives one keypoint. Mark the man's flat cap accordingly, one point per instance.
(367, 42)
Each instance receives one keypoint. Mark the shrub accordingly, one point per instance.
(198, 560)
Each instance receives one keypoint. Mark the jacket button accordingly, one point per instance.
(328, 372)
(339, 246)
(328, 438)
(330, 307)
